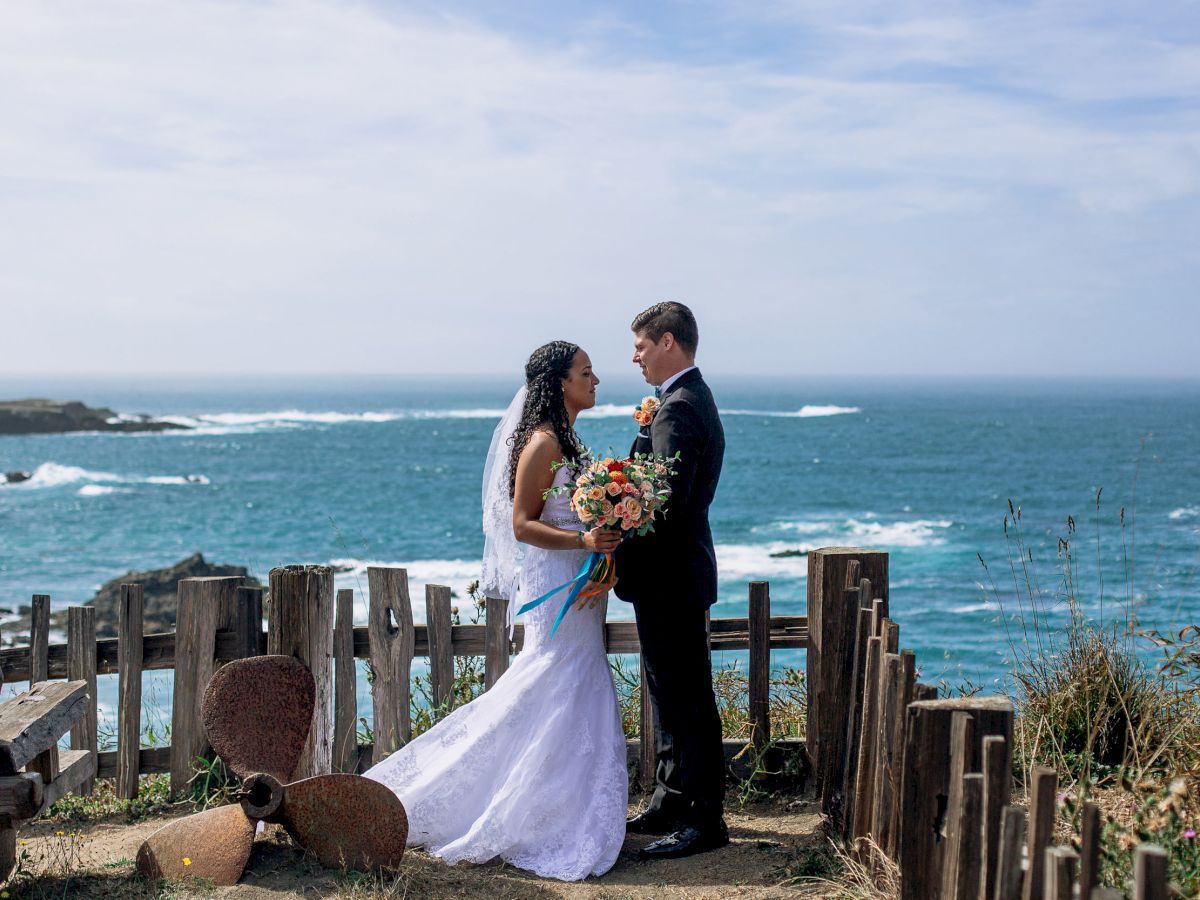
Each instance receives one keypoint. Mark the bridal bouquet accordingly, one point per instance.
(625, 494)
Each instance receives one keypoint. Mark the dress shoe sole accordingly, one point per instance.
(684, 852)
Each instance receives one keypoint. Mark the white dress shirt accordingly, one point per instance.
(662, 388)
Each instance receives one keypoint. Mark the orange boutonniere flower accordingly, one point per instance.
(644, 413)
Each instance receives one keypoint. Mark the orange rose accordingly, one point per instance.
(595, 493)
(618, 477)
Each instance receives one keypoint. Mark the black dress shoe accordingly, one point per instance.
(687, 842)
(652, 821)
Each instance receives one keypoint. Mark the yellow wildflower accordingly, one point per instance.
(187, 860)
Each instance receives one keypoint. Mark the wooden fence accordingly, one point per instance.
(898, 771)
(218, 619)
(924, 781)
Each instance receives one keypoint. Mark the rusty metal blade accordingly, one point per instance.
(257, 713)
(346, 821)
(214, 845)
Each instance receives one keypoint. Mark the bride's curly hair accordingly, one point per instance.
(544, 405)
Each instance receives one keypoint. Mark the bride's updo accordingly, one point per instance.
(544, 373)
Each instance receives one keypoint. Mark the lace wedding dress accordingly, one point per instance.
(532, 771)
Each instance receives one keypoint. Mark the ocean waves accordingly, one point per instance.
(95, 484)
(867, 530)
(247, 422)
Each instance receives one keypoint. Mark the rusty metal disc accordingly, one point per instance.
(346, 821)
(257, 713)
(213, 845)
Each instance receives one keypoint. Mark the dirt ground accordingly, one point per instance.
(773, 841)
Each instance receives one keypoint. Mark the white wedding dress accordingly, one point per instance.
(533, 770)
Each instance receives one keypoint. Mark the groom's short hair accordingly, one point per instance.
(669, 316)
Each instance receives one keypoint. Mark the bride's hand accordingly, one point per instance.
(590, 602)
(601, 540)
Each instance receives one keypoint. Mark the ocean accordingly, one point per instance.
(358, 471)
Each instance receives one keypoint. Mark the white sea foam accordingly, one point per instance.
(987, 606)
(1184, 512)
(915, 533)
(804, 412)
(96, 490)
(742, 562)
(52, 475)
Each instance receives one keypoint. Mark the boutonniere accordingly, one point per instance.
(644, 413)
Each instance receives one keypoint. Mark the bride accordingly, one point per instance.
(532, 771)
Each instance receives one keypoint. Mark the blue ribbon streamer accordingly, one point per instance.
(575, 584)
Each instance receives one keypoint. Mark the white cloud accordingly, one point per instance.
(329, 186)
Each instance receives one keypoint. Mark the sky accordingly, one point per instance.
(877, 188)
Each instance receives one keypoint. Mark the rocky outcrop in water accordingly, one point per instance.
(57, 417)
(158, 593)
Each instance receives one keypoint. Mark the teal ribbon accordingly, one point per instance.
(576, 586)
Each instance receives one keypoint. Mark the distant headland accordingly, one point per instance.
(36, 416)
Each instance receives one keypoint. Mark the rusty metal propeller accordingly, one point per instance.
(257, 713)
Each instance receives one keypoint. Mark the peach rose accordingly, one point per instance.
(586, 515)
(595, 493)
(633, 507)
(613, 489)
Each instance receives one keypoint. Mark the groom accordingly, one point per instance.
(670, 577)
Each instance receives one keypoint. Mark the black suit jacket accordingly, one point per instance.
(676, 561)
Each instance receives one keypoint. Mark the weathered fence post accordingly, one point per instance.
(1009, 872)
(926, 782)
(300, 624)
(392, 638)
(997, 791)
(859, 597)
(898, 677)
(1150, 873)
(1089, 857)
(129, 676)
(39, 639)
(441, 650)
(203, 603)
(1060, 864)
(1041, 828)
(759, 630)
(247, 622)
(832, 627)
(861, 794)
(647, 736)
(496, 645)
(45, 763)
(81, 666)
(345, 694)
(961, 738)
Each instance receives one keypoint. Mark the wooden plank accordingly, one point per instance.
(496, 646)
(345, 697)
(854, 695)
(890, 632)
(201, 603)
(887, 750)
(647, 734)
(760, 664)
(35, 720)
(1106, 893)
(997, 791)
(833, 625)
(864, 787)
(441, 649)
(20, 796)
(1044, 783)
(300, 624)
(158, 650)
(129, 706)
(961, 737)
(77, 768)
(1010, 874)
(1150, 873)
(39, 639)
(1060, 865)
(81, 638)
(968, 825)
(925, 785)
(247, 629)
(391, 630)
(1090, 845)
(151, 761)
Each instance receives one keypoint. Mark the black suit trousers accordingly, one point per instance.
(690, 777)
